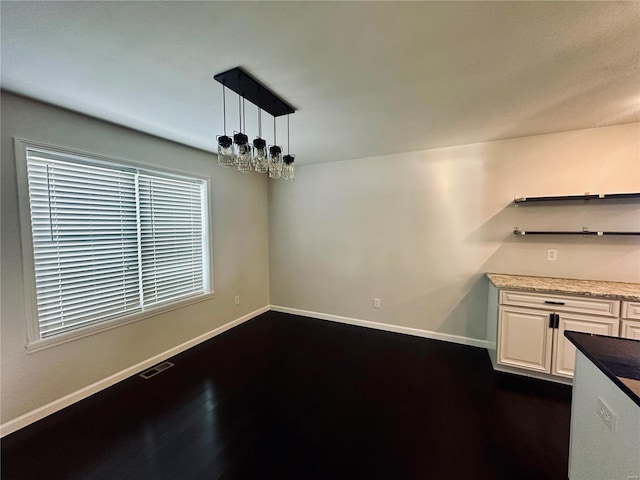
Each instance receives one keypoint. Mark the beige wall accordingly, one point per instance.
(240, 257)
(418, 230)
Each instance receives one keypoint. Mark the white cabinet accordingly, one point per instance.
(564, 353)
(630, 327)
(524, 339)
(531, 326)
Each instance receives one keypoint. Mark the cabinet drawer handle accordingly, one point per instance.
(549, 302)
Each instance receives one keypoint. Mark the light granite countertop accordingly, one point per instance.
(567, 286)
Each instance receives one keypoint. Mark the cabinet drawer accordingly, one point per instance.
(561, 303)
(631, 310)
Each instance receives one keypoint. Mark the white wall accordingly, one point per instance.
(418, 230)
(240, 257)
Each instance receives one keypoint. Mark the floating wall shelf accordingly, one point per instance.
(634, 196)
(586, 196)
(584, 233)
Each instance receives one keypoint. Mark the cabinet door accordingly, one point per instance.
(524, 339)
(630, 329)
(564, 353)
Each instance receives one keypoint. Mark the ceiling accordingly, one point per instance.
(367, 78)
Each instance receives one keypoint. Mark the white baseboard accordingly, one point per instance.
(41, 412)
(474, 342)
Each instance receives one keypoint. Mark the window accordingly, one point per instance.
(110, 241)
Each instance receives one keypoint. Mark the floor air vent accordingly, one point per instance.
(156, 370)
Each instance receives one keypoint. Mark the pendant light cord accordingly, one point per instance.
(224, 111)
(275, 142)
(288, 149)
(244, 118)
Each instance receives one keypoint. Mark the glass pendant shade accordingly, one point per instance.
(244, 160)
(260, 155)
(275, 162)
(288, 169)
(242, 152)
(225, 151)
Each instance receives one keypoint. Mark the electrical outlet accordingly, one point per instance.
(552, 255)
(607, 416)
(376, 303)
(237, 299)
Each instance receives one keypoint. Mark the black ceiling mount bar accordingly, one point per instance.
(248, 87)
(586, 196)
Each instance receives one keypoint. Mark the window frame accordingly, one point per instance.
(33, 341)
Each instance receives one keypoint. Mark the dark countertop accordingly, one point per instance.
(617, 358)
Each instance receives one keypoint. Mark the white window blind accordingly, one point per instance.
(171, 235)
(110, 241)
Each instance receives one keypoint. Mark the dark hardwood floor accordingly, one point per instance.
(286, 397)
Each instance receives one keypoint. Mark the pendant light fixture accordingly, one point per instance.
(225, 152)
(260, 158)
(288, 169)
(238, 151)
(243, 152)
(275, 156)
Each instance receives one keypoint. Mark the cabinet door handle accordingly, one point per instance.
(556, 323)
(552, 317)
(550, 302)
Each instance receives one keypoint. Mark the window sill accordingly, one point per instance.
(39, 345)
